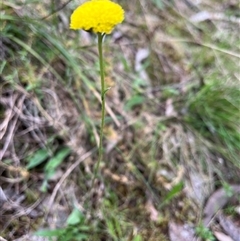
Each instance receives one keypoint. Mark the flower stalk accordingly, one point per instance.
(103, 92)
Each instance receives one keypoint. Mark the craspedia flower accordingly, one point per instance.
(100, 16)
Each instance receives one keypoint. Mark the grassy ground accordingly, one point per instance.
(172, 125)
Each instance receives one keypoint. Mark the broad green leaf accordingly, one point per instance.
(50, 233)
(37, 158)
(44, 186)
(55, 161)
(174, 191)
(75, 217)
(137, 238)
(82, 236)
(135, 100)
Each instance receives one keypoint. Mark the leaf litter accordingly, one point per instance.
(142, 171)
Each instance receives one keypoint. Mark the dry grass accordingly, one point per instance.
(159, 165)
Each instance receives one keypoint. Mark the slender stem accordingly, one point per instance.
(100, 148)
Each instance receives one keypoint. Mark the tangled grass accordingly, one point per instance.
(172, 126)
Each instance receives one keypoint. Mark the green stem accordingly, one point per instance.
(100, 148)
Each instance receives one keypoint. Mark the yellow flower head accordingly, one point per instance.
(100, 16)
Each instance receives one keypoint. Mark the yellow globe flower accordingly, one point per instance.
(100, 16)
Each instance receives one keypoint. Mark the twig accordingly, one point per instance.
(66, 174)
(57, 10)
(11, 130)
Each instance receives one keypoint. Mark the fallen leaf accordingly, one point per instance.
(229, 226)
(222, 236)
(217, 201)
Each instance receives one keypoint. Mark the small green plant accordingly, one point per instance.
(172, 193)
(228, 189)
(53, 163)
(204, 233)
(134, 101)
(116, 223)
(76, 230)
(137, 238)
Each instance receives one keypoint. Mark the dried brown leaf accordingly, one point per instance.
(229, 226)
(217, 201)
(222, 236)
